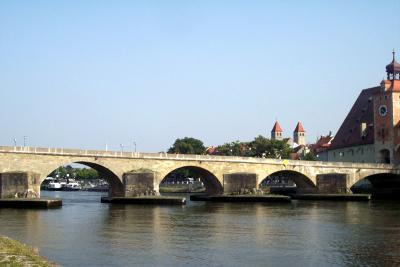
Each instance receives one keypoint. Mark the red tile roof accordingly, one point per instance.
(299, 128)
(323, 143)
(277, 128)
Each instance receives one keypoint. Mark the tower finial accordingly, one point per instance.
(394, 53)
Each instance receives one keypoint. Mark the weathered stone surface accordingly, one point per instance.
(240, 183)
(332, 183)
(19, 185)
(139, 184)
(112, 165)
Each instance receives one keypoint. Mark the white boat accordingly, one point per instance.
(54, 186)
(74, 186)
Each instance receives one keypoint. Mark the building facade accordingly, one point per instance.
(371, 130)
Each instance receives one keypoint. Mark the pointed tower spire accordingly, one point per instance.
(299, 128)
(299, 135)
(393, 68)
(276, 132)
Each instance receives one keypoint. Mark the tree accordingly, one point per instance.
(187, 145)
(230, 149)
(86, 173)
(310, 156)
(78, 173)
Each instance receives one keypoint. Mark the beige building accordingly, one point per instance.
(371, 130)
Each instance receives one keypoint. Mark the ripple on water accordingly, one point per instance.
(85, 232)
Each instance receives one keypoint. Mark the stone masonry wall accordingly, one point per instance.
(334, 183)
(139, 184)
(19, 185)
(240, 183)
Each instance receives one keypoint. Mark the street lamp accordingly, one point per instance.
(25, 137)
(15, 142)
(122, 148)
(134, 145)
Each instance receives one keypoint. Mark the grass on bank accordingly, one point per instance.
(15, 254)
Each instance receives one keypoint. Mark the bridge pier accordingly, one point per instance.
(139, 184)
(240, 183)
(333, 183)
(19, 185)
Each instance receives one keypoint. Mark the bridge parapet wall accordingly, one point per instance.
(166, 156)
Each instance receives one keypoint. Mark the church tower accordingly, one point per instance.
(276, 132)
(299, 135)
(387, 116)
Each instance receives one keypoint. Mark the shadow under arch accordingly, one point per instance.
(116, 186)
(288, 182)
(381, 185)
(211, 183)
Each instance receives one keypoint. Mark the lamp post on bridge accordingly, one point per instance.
(122, 148)
(134, 146)
(25, 138)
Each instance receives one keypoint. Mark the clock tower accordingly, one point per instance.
(386, 107)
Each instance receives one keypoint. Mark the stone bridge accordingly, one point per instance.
(133, 173)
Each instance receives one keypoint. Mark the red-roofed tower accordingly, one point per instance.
(299, 135)
(387, 116)
(276, 132)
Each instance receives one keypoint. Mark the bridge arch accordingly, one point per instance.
(116, 186)
(289, 181)
(379, 185)
(211, 183)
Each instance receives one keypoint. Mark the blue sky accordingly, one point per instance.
(83, 74)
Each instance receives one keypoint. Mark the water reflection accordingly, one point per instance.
(85, 232)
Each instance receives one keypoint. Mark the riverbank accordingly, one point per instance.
(14, 253)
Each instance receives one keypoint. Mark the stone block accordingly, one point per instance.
(332, 183)
(139, 184)
(19, 185)
(240, 183)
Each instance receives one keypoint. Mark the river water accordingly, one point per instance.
(85, 232)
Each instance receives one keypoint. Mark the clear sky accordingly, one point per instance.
(83, 74)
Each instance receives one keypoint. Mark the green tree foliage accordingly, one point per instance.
(77, 173)
(187, 145)
(90, 174)
(309, 156)
(267, 148)
(260, 147)
(231, 149)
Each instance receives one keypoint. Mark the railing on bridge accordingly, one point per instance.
(163, 155)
